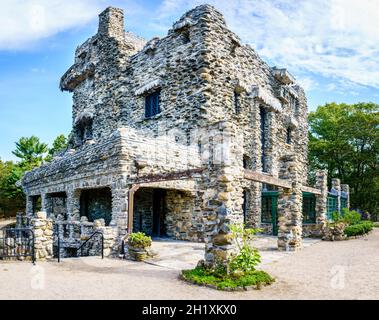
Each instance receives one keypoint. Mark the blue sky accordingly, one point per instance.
(331, 46)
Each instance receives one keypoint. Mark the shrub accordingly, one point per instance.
(359, 229)
(247, 257)
(139, 240)
(376, 224)
(351, 217)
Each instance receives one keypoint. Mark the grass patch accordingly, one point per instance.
(202, 276)
(376, 224)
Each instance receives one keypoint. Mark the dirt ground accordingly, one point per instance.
(324, 270)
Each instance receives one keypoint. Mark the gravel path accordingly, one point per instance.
(325, 270)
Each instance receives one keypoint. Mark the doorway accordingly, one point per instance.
(159, 213)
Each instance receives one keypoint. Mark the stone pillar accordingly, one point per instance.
(336, 186)
(73, 205)
(43, 236)
(346, 188)
(44, 202)
(254, 205)
(29, 206)
(290, 206)
(222, 192)
(322, 199)
(120, 207)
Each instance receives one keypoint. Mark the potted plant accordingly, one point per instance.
(138, 245)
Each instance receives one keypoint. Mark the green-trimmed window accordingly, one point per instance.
(266, 209)
(343, 202)
(309, 208)
(331, 205)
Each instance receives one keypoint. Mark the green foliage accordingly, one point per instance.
(59, 144)
(344, 139)
(139, 240)
(351, 217)
(376, 224)
(31, 151)
(247, 257)
(11, 197)
(203, 276)
(359, 229)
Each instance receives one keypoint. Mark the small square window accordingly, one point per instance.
(152, 104)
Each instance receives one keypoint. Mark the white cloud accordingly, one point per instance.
(22, 22)
(332, 38)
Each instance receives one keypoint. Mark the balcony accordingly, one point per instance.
(283, 76)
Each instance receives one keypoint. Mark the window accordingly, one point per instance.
(309, 208)
(186, 37)
(152, 104)
(331, 205)
(263, 116)
(289, 136)
(343, 202)
(237, 102)
(266, 210)
(245, 206)
(246, 162)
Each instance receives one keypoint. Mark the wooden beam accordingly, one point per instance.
(265, 178)
(310, 190)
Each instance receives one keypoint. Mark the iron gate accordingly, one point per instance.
(17, 243)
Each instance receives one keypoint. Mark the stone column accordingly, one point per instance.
(43, 236)
(222, 196)
(254, 205)
(322, 199)
(29, 206)
(73, 205)
(346, 188)
(44, 202)
(290, 206)
(120, 207)
(336, 186)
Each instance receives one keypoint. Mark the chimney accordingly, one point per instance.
(111, 23)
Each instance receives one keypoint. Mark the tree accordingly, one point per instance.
(344, 139)
(60, 143)
(31, 151)
(11, 198)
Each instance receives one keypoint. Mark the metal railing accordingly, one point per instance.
(17, 243)
(82, 245)
(90, 238)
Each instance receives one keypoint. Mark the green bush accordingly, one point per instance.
(359, 229)
(351, 217)
(376, 224)
(139, 240)
(247, 257)
(202, 276)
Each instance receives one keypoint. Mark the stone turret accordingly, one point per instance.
(111, 23)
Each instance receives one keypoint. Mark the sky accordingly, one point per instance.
(330, 46)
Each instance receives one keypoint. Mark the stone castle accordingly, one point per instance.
(178, 137)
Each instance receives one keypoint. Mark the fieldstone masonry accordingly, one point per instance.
(43, 236)
(223, 124)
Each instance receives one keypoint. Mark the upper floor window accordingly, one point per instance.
(289, 135)
(152, 102)
(263, 124)
(237, 102)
